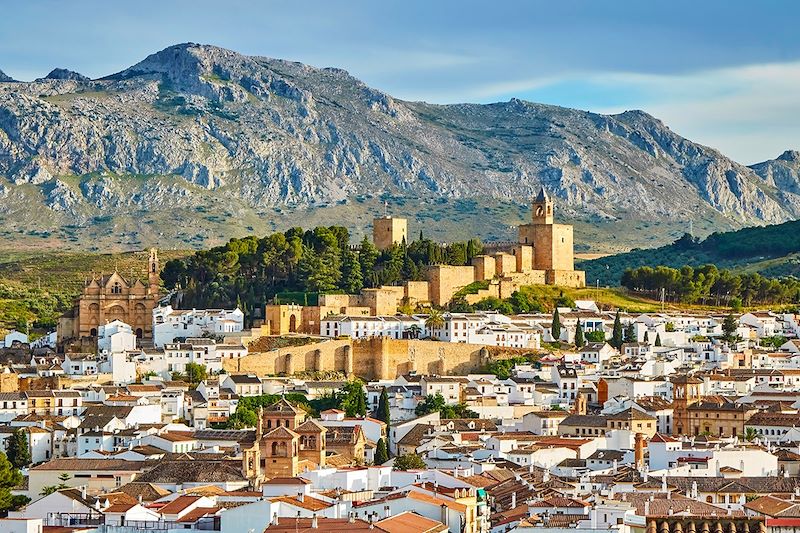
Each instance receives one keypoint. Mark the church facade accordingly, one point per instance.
(110, 297)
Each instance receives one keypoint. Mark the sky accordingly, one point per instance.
(722, 73)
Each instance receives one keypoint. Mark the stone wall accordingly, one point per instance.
(446, 280)
(567, 278)
(417, 292)
(375, 358)
(484, 267)
(504, 263)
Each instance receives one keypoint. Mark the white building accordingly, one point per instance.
(170, 324)
(115, 337)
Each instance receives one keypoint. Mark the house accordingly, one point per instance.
(98, 475)
(170, 324)
(80, 364)
(597, 352)
(242, 384)
(115, 337)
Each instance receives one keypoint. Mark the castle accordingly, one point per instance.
(543, 255)
(112, 297)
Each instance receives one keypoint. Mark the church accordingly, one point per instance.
(109, 297)
(286, 443)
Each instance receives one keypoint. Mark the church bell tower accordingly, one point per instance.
(153, 272)
(542, 208)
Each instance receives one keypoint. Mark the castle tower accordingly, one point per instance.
(387, 231)
(542, 208)
(552, 243)
(153, 271)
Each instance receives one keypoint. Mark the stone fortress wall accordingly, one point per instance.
(374, 358)
(543, 255)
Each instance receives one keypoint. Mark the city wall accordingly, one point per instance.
(375, 358)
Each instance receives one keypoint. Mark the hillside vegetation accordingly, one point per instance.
(35, 288)
(769, 250)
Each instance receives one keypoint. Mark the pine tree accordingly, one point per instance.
(616, 336)
(729, 327)
(368, 257)
(555, 327)
(420, 236)
(580, 341)
(352, 278)
(646, 338)
(17, 449)
(382, 413)
(658, 339)
(381, 453)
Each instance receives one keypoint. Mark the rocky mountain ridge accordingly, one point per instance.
(200, 137)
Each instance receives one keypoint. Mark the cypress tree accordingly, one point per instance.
(17, 450)
(630, 333)
(658, 339)
(382, 413)
(555, 327)
(579, 340)
(646, 338)
(616, 337)
(381, 453)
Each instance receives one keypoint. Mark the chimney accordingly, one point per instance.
(140, 499)
(83, 492)
(513, 500)
(446, 517)
(646, 507)
(351, 517)
(386, 511)
(301, 497)
(314, 524)
(275, 519)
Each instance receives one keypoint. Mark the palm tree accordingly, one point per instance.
(434, 321)
(750, 434)
(415, 331)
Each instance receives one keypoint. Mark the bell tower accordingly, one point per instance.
(542, 208)
(153, 272)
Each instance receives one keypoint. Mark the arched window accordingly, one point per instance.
(116, 288)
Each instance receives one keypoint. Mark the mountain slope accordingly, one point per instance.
(195, 144)
(773, 251)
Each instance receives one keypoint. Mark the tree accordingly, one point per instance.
(381, 453)
(555, 326)
(196, 373)
(17, 449)
(729, 327)
(10, 477)
(646, 338)
(616, 335)
(367, 258)
(409, 461)
(382, 413)
(630, 333)
(242, 418)
(658, 339)
(431, 403)
(435, 320)
(750, 434)
(353, 399)
(579, 340)
(352, 277)
(596, 336)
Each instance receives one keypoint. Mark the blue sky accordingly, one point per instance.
(723, 73)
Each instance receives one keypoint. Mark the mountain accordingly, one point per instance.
(5, 77)
(196, 144)
(64, 74)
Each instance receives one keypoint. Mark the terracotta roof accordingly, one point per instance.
(304, 525)
(179, 504)
(409, 522)
(70, 464)
(308, 502)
